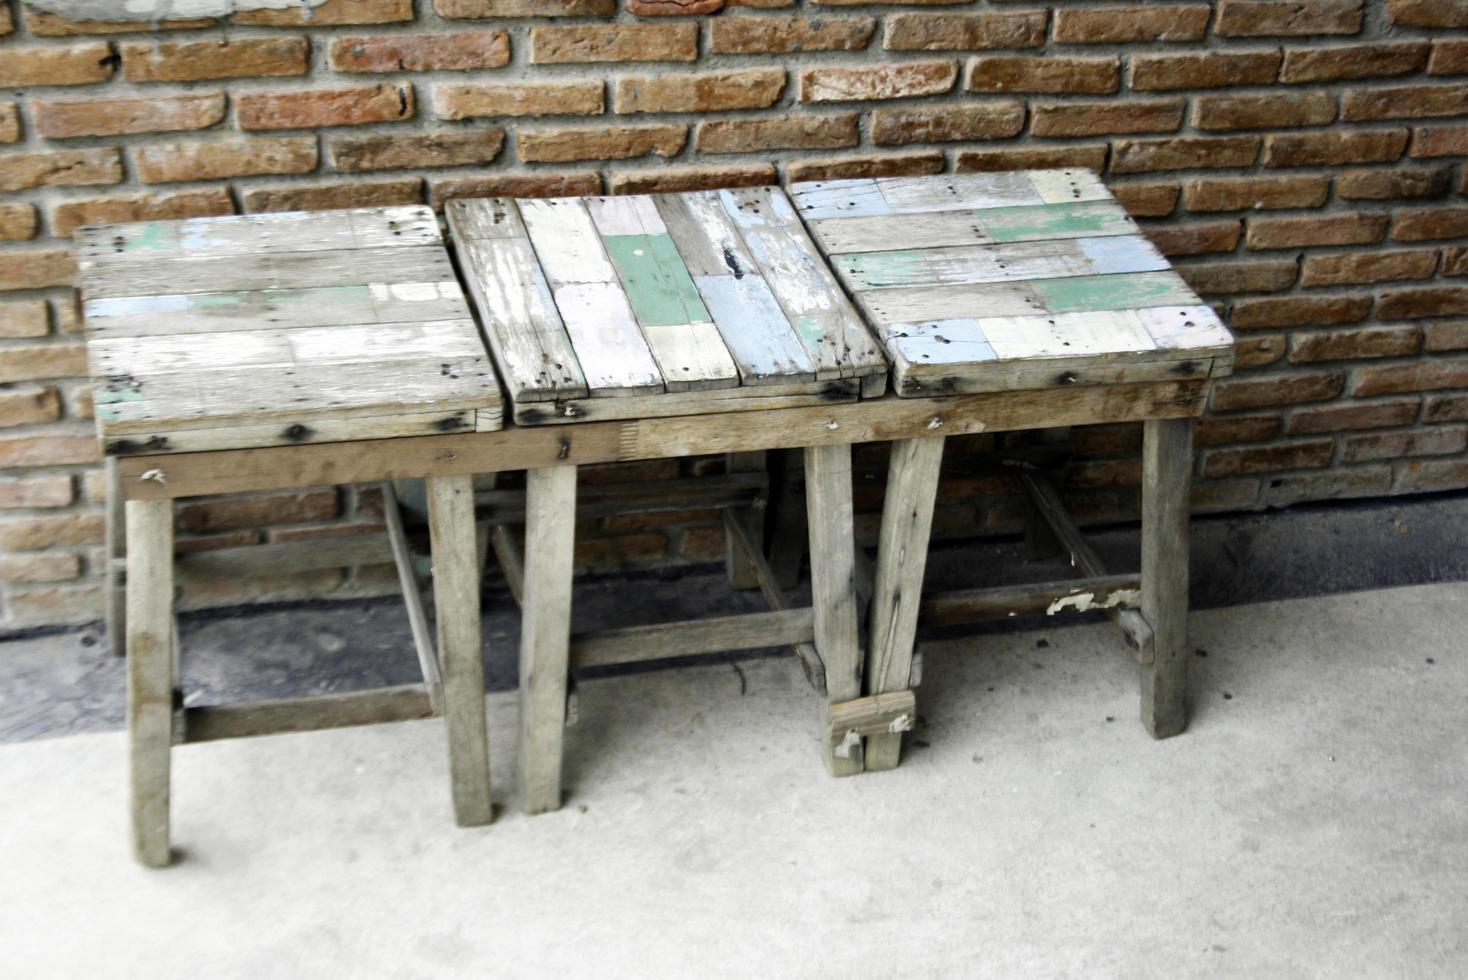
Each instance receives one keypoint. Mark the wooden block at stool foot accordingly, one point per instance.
(150, 674)
(1167, 461)
(833, 586)
(460, 647)
(545, 631)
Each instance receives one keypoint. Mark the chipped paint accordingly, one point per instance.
(1086, 601)
(157, 10)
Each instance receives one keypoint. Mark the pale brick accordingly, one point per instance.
(1395, 182)
(786, 132)
(59, 448)
(9, 123)
(1425, 224)
(938, 124)
(67, 216)
(1090, 156)
(1281, 18)
(1405, 102)
(1047, 73)
(17, 221)
(80, 64)
(1353, 61)
(1392, 379)
(1146, 200)
(465, 51)
(539, 183)
(1195, 238)
(1131, 25)
(1437, 474)
(669, 180)
(1272, 111)
(1257, 276)
(112, 117)
(24, 318)
(891, 81)
(36, 269)
(37, 491)
(673, 8)
(1445, 335)
(192, 61)
(1345, 345)
(1070, 119)
(29, 404)
(747, 88)
(1255, 193)
(220, 159)
(54, 567)
(469, 101)
(602, 143)
(789, 35)
(332, 13)
(1210, 69)
(1352, 268)
(1439, 141)
(1298, 311)
(912, 164)
(1428, 13)
(473, 9)
(586, 43)
(1333, 148)
(1353, 228)
(1280, 389)
(44, 24)
(32, 362)
(1449, 57)
(327, 197)
(311, 108)
(62, 168)
(964, 32)
(354, 154)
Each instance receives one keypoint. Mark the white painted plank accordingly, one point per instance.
(270, 270)
(949, 302)
(836, 198)
(758, 207)
(484, 217)
(706, 236)
(1060, 186)
(949, 192)
(566, 242)
(691, 356)
(610, 347)
(633, 215)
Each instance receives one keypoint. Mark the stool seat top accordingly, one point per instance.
(1022, 279)
(656, 305)
(271, 329)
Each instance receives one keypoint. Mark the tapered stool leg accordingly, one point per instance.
(1167, 462)
(150, 673)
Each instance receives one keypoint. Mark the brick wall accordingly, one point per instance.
(1301, 161)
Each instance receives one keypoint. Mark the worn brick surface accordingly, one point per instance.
(64, 119)
(353, 154)
(471, 100)
(463, 51)
(1002, 73)
(752, 135)
(222, 158)
(964, 32)
(1131, 24)
(191, 61)
(354, 106)
(749, 88)
(71, 214)
(80, 64)
(789, 34)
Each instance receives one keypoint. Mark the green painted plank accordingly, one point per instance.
(1024, 224)
(656, 280)
(1128, 291)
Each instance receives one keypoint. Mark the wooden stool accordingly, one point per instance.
(1006, 282)
(283, 330)
(708, 311)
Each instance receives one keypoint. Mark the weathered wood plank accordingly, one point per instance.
(1167, 463)
(714, 402)
(833, 590)
(959, 265)
(150, 674)
(1002, 602)
(116, 546)
(210, 723)
(691, 637)
(875, 715)
(706, 236)
(423, 643)
(267, 270)
(754, 327)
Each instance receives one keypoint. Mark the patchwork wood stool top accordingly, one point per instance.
(657, 305)
(271, 329)
(996, 281)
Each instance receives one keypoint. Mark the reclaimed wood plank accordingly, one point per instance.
(423, 642)
(150, 675)
(1167, 463)
(267, 270)
(208, 723)
(691, 638)
(1003, 602)
(833, 591)
(760, 338)
(705, 235)
(855, 198)
(708, 403)
(611, 349)
(953, 192)
(1086, 219)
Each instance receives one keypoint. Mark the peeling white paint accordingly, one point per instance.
(1086, 601)
(156, 10)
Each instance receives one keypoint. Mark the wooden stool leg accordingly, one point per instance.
(150, 673)
(737, 567)
(460, 647)
(545, 631)
(116, 544)
(902, 557)
(786, 513)
(1166, 475)
(833, 586)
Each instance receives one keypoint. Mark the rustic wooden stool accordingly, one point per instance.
(711, 311)
(1005, 282)
(284, 330)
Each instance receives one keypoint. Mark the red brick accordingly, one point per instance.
(1446, 408)
(1183, 153)
(674, 179)
(460, 148)
(62, 168)
(471, 9)
(25, 318)
(1235, 429)
(67, 216)
(1405, 102)
(1352, 228)
(1342, 345)
(789, 35)
(1279, 18)
(587, 43)
(1427, 13)
(1195, 238)
(1455, 261)
(329, 197)
(1146, 200)
(7, 24)
(17, 221)
(1349, 268)
(1257, 350)
(220, 159)
(1279, 389)
(470, 101)
(746, 88)
(1298, 311)
(1414, 304)
(9, 123)
(673, 8)
(1424, 224)
(1131, 25)
(1446, 335)
(1090, 156)
(1353, 415)
(112, 117)
(784, 132)
(1203, 69)
(332, 13)
(540, 183)
(1392, 379)
(81, 64)
(1396, 182)
(897, 81)
(57, 448)
(1353, 61)
(1047, 73)
(36, 268)
(192, 61)
(1097, 118)
(1255, 193)
(1439, 141)
(958, 32)
(43, 24)
(1313, 454)
(947, 123)
(1449, 57)
(601, 143)
(39, 491)
(310, 108)
(1395, 445)
(464, 51)
(915, 163)
(1258, 276)
(1437, 474)
(1272, 111)
(1333, 148)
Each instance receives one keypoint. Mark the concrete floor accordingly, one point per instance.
(1311, 822)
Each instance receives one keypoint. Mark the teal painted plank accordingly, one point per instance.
(1117, 292)
(656, 280)
(1024, 224)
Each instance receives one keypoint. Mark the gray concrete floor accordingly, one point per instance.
(1311, 822)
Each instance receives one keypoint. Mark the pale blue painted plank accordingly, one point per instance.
(1122, 253)
(755, 329)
